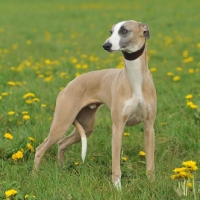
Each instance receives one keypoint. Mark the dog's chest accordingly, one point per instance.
(134, 110)
(134, 107)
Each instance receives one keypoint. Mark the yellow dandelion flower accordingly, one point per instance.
(77, 74)
(11, 83)
(183, 174)
(76, 163)
(10, 193)
(24, 112)
(176, 78)
(153, 69)
(14, 46)
(189, 175)
(189, 96)
(193, 106)
(124, 158)
(179, 69)
(185, 54)
(29, 94)
(47, 61)
(78, 66)
(4, 94)
(188, 60)
(50, 118)
(191, 71)
(0, 97)
(174, 176)
(28, 42)
(31, 139)
(40, 76)
(28, 101)
(191, 165)
(198, 45)
(17, 155)
(48, 79)
(63, 74)
(181, 169)
(73, 60)
(27, 196)
(142, 153)
(120, 65)
(11, 113)
(26, 117)
(168, 40)
(43, 105)
(84, 66)
(170, 74)
(189, 185)
(8, 136)
(189, 103)
(30, 147)
(126, 134)
(36, 99)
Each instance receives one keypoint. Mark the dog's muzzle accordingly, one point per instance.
(107, 46)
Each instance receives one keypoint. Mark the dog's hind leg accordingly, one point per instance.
(54, 136)
(64, 143)
(63, 118)
(86, 119)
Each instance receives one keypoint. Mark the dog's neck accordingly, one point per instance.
(134, 55)
(133, 67)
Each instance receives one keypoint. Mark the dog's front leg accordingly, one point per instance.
(117, 130)
(149, 143)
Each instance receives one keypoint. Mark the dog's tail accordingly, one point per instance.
(83, 138)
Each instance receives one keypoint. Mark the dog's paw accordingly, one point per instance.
(117, 184)
(34, 171)
(151, 176)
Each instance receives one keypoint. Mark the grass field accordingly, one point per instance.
(44, 45)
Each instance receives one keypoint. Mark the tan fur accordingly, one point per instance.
(82, 97)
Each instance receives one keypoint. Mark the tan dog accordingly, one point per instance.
(129, 93)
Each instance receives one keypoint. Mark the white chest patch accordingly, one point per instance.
(136, 103)
(135, 76)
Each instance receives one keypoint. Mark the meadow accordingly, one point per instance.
(46, 44)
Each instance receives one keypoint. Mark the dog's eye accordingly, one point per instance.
(124, 31)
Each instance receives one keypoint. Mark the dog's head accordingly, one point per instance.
(127, 36)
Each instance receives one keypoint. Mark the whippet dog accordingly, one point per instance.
(129, 93)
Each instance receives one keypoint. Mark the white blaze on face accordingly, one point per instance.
(114, 39)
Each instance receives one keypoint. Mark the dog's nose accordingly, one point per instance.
(107, 46)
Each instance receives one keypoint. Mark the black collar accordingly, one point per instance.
(134, 55)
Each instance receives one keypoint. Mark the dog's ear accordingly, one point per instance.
(145, 30)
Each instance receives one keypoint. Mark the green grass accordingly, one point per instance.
(34, 32)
